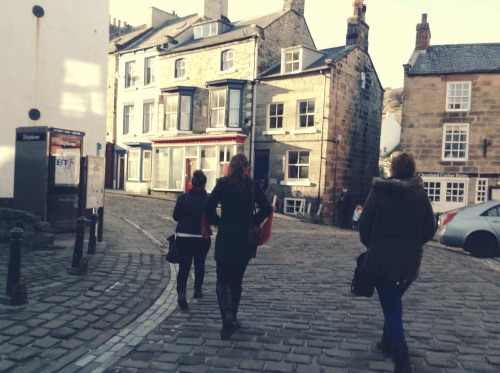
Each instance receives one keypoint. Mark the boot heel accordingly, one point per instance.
(227, 327)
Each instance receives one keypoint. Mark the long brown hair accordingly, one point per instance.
(238, 170)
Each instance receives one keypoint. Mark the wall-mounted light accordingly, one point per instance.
(337, 139)
(410, 125)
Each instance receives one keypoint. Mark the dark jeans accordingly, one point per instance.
(390, 294)
(190, 248)
(230, 275)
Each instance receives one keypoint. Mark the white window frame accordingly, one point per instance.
(363, 80)
(297, 180)
(147, 116)
(206, 30)
(171, 112)
(297, 205)
(227, 60)
(481, 190)
(433, 189)
(307, 114)
(149, 77)
(146, 165)
(292, 61)
(458, 96)
(129, 74)
(228, 115)
(454, 146)
(456, 191)
(133, 164)
(128, 116)
(273, 114)
(180, 68)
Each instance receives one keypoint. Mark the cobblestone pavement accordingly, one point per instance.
(296, 311)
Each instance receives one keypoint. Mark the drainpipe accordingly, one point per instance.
(318, 202)
(254, 102)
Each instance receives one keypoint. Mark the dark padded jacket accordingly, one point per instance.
(405, 222)
(188, 211)
(234, 221)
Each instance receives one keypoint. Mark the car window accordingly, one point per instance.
(493, 211)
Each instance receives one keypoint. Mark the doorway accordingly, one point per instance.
(261, 169)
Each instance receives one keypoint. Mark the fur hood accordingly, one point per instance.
(406, 191)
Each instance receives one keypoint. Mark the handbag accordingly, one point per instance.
(172, 254)
(363, 282)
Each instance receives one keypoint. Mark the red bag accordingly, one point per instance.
(254, 236)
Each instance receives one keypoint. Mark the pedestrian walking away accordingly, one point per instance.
(188, 212)
(235, 194)
(404, 222)
(344, 208)
(356, 215)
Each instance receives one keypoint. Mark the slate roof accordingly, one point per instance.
(239, 30)
(458, 58)
(144, 37)
(334, 54)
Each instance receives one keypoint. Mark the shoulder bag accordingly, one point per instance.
(363, 283)
(172, 254)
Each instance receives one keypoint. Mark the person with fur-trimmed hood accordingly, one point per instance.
(398, 218)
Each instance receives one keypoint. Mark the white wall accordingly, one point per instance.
(57, 64)
(390, 135)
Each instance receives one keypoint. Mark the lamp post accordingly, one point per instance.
(336, 140)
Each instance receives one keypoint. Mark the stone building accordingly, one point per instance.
(216, 85)
(451, 116)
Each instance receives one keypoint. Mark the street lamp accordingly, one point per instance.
(336, 140)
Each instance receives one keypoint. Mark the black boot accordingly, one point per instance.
(182, 301)
(224, 299)
(384, 345)
(401, 358)
(235, 303)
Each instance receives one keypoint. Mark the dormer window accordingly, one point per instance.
(211, 28)
(292, 61)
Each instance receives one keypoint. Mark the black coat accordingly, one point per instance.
(188, 211)
(405, 222)
(236, 213)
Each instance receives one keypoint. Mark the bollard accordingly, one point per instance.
(92, 237)
(15, 291)
(78, 250)
(100, 227)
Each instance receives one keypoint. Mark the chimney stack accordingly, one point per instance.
(357, 29)
(423, 34)
(297, 6)
(215, 9)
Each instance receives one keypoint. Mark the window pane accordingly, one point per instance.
(176, 165)
(185, 124)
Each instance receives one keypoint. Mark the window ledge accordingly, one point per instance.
(305, 130)
(271, 132)
(181, 78)
(172, 133)
(223, 129)
(222, 72)
(299, 182)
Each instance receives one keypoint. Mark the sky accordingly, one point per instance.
(392, 23)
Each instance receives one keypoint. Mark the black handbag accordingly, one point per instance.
(172, 254)
(363, 283)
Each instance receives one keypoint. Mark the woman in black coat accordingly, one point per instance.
(191, 245)
(235, 194)
(397, 220)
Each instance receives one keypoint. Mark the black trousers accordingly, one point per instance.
(230, 275)
(192, 249)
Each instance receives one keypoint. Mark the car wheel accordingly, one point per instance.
(481, 245)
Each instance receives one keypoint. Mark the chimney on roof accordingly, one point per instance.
(295, 5)
(156, 17)
(423, 34)
(357, 29)
(215, 9)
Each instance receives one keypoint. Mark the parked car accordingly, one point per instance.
(475, 228)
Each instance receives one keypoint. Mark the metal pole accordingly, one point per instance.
(78, 250)
(14, 272)
(100, 226)
(92, 237)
